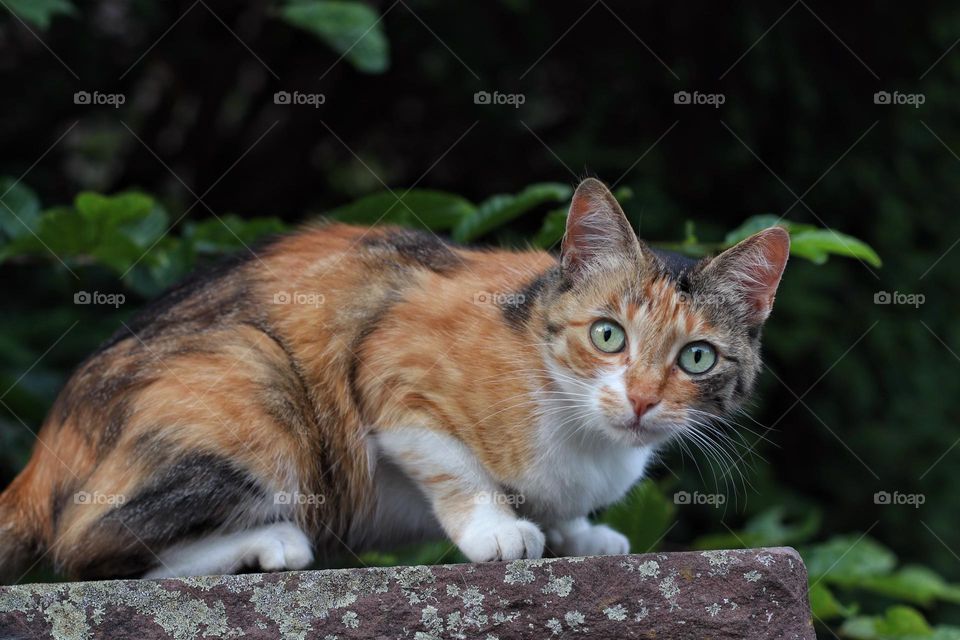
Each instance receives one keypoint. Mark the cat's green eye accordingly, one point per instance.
(608, 336)
(697, 357)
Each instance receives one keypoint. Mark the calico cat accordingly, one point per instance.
(366, 387)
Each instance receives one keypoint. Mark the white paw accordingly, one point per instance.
(281, 546)
(594, 540)
(501, 540)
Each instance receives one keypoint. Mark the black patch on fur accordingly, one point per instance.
(715, 388)
(741, 387)
(117, 418)
(518, 306)
(356, 345)
(194, 494)
(58, 502)
(676, 265)
(564, 283)
(159, 313)
(98, 403)
(420, 248)
(287, 399)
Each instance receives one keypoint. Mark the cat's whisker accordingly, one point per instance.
(697, 431)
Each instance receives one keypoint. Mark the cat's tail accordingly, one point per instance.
(22, 518)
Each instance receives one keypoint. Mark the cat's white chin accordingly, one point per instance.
(643, 433)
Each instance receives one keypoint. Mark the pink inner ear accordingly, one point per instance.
(575, 242)
(760, 264)
(595, 227)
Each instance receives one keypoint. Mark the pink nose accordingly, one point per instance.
(641, 404)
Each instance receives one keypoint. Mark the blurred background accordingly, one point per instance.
(219, 122)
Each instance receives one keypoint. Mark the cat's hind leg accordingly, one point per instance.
(274, 547)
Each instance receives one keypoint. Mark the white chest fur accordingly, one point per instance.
(572, 474)
(577, 473)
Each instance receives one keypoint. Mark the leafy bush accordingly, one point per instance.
(799, 114)
(128, 235)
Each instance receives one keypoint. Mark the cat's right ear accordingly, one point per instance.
(597, 230)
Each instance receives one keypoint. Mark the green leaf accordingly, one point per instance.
(825, 605)
(500, 209)
(767, 529)
(644, 516)
(912, 583)
(622, 194)
(145, 231)
(111, 211)
(19, 208)
(756, 224)
(807, 241)
(898, 623)
(40, 12)
(552, 230)
(61, 230)
(415, 208)
(817, 244)
(229, 233)
(848, 560)
(167, 262)
(117, 251)
(351, 28)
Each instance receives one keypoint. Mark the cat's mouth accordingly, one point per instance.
(646, 430)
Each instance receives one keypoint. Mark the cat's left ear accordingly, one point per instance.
(597, 230)
(751, 270)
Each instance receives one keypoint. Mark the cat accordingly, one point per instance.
(364, 387)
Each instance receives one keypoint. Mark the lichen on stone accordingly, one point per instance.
(616, 613)
(518, 573)
(561, 586)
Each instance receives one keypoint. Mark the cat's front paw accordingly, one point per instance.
(502, 540)
(590, 540)
(281, 547)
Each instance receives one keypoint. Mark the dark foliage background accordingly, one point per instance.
(860, 397)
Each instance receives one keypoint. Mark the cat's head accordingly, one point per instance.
(644, 345)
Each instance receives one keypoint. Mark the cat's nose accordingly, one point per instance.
(642, 403)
